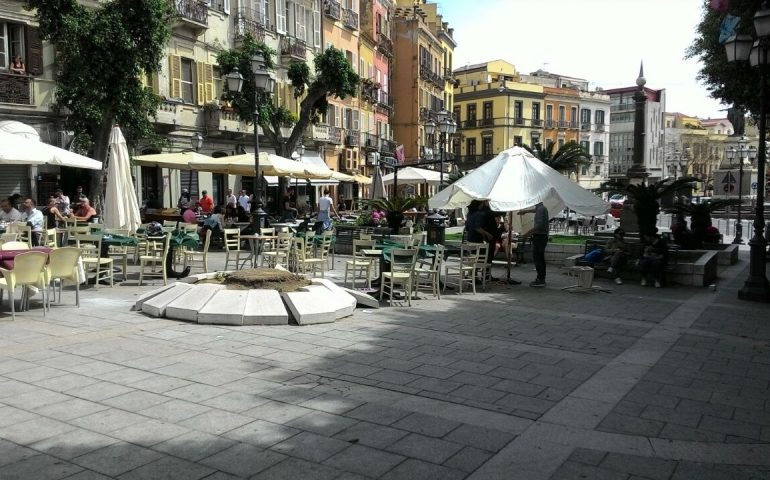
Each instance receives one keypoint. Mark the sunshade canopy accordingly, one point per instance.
(20, 150)
(414, 176)
(179, 160)
(515, 180)
(269, 164)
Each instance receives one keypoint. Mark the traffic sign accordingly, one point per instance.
(729, 178)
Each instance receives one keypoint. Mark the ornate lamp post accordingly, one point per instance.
(297, 157)
(740, 48)
(263, 82)
(196, 141)
(446, 127)
(742, 154)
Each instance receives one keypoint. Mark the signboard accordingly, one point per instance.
(388, 161)
(728, 182)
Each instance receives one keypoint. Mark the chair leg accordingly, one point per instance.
(13, 305)
(141, 273)
(77, 293)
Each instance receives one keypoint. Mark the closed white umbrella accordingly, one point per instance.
(121, 208)
(377, 190)
(21, 150)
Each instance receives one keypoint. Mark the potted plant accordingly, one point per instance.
(212, 115)
(395, 208)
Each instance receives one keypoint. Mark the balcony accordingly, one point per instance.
(248, 21)
(599, 127)
(15, 89)
(352, 138)
(563, 124)
(332, 9)
(518, 121)
(469, 162)
(223, 122)
(622, 106)
(550, 124)
(427, 74)
(370, 141)
(293, 48)
(585, 126)
(350, 18)
(384, 103)
(470, 123)
(449, 75)
(335, 135)
(193, 14)
(487, 122)
(169, 115)
(384, 45)
(573, 125)
(387, 147)
(319, 133)
(537, 122)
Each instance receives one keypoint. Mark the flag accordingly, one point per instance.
(400, 154)
(728, 27)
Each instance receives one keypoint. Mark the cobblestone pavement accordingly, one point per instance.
(511, 383)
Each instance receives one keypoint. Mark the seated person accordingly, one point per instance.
(377, 214)
(654, 259)
(189, 216)
(206, 203)
(17, 66)
(7, 212)
(84, 212)
(617, 252)
(34, 219)
(341, 206)
(289, 204)
(214, 224)
(711, 235)
(52, 212)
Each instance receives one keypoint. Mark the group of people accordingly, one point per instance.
(59, 208)
(652, 262)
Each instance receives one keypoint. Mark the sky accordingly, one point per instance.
(602, 41)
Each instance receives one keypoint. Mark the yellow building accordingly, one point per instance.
(494, 111)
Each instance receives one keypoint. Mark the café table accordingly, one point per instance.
(256, 244)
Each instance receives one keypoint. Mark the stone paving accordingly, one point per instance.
(512, 383)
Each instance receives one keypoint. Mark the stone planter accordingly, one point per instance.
(727, 253)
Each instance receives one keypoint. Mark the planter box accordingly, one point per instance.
(727, 253)
(695, 267)
(345, 234)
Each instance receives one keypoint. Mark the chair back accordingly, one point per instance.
(50, 239)
(168, 228)
(90, 245)
(301, 247)
(28, 267)
(365, 236)
(9, 237)
(267, 231)
(326, 243)
(359, 245)
(402, 260)
(76, 230)
(190, 228)
(15, 246)
(232, 238)
(17, 227)
(63, 262)
(482, 253)
(207, 242)
(469, 254)
(95, 228)
(438, 257)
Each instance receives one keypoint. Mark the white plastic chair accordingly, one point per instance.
(28, 270)
(63, 265)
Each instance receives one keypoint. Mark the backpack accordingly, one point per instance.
(153, 229)
(595, 256)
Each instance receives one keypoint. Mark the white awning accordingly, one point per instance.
(272, 181)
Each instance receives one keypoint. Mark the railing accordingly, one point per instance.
(385, 44)
(352, 138)
(350, 19)
(487, 122)
(622, 106)
(370, 141)
(537, 122)
(426, 73)
(471, 123)
(15, 89)
(246, 23)
(599, 127)
(335, 135)
(448, 74)
(550, 124)
(332, 9)
(293, 47)
(218, 5)
(384, 99)
(320, 132)
(563, 124)
(585, 126)
(468, 162)
(573, 125)
(387, 146)
(518, 121)
(193, 10)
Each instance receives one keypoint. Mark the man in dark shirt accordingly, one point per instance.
(539, 240)
(474, 227)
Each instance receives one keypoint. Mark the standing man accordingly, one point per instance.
(244, 201)
(325, 205)
(231, 201)
(62, 202)
(34, 219)
(206, 203)
(539, 240)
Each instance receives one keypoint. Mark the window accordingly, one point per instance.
(585, 116)
(488, 111)
(518, 112)
(597, 170)
(599, 117)
(471, 146)
(316, 23)
(585, 144)
(549, 113)
(486, 146)
(11, 43)
(471, 112)
(535, 111)
(187, 81)
(457, 113)
(598, 149)
(584, 170)
(548, 142)
(261, 11)
(517, 140)
(562, 115)
(561, 143)
(299, 22)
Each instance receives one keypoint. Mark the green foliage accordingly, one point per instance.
(568, 158)
(395, 204)
(646, 197)
(700, 215)
(732, 83)
(334, 76)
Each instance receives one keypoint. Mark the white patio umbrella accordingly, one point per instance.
(515, 180)
(121, 208)
(21, 150)
(414, 176)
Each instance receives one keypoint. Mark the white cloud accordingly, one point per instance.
(602, 41)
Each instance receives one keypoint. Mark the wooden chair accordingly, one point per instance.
(141, 244)
(303, 257)
(153, 264)
(28, 270)
(23, 230)
(401, 273)
(463, 270)
(50, 238)
(9, 237)
(63, 265)
(194, 258)
(427, 272)
(233, 251)
(483, 267)
(119, 252)
(360, 263)
(280, 252)
(15, 246)
(90, 250)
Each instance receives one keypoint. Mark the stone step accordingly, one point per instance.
(343, 302)
(156, 306)
(363, 298)
(226, 307)
(187, 305)
(151, 294)
(309, 308)
(265, 307)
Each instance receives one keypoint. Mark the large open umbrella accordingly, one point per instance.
(414, 176)
(269, 164)
(20, 150)
(121, 208)
(515, 180)
(177, 160)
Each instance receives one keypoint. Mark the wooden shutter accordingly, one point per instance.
(175, 75)
(200, 81)
(208, 81)
(155, 83)
(34, 51)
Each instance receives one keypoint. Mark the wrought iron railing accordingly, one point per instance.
(352, 138)
(245, 23)
(193, 10)
(15, 89)
(370, 141)
(293, 47)
(387, 146)
(335, 135)
(350, 18)
(332, 9)
(385, 44)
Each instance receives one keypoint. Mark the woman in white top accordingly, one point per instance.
(325, 204)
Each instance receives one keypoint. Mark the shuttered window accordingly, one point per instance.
(205, 82)
(316, 23)
(280, 16)
(175, 76)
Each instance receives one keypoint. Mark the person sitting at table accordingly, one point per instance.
(289, 204)
(189, 216)
(62, 202)
(52, 212)
(206, 203)
(214, 224)
(341, 205)
(17, 66)
(85, 212)
(617, 250)
(34, 219)
(7, 212)
(184, 201)
(377, 214)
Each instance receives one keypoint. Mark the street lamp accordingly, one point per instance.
(196, 141)
(446, 127)
(737, 48)
(297, 157)
(742, 154)
(263, 82)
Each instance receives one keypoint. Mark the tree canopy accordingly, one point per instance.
(732, 83)
(334, 76)
(568, 158)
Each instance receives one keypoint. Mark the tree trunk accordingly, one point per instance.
(99, 177)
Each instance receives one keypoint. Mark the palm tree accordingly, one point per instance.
(568, 158)
(645, 198)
